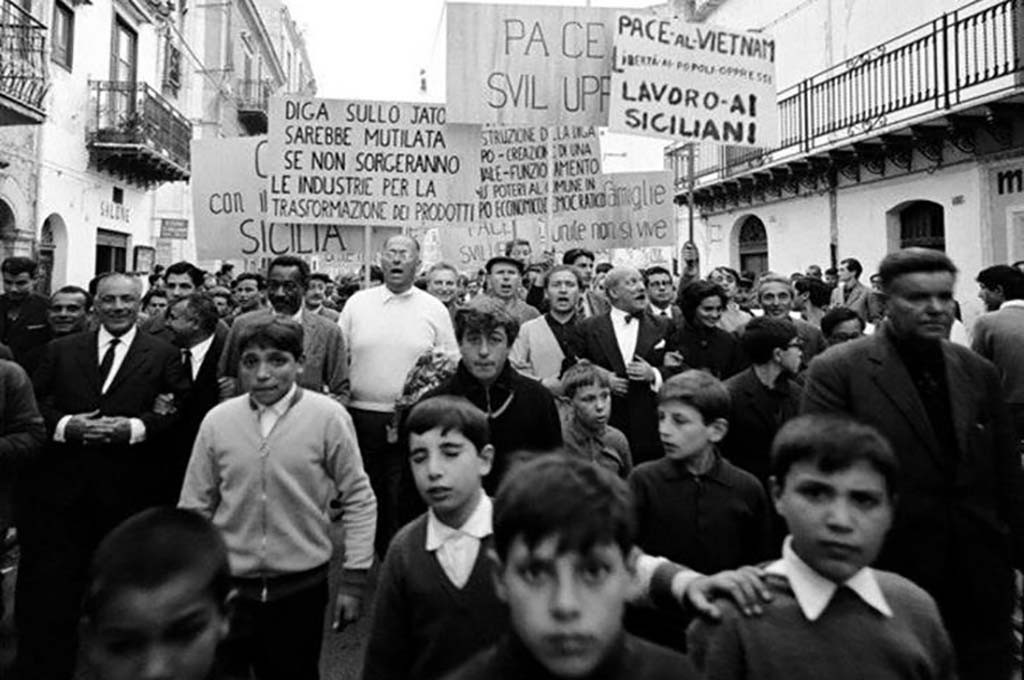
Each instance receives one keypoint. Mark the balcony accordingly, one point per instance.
(23, 77)
(252, 101)
(136, 134)
(940, 82)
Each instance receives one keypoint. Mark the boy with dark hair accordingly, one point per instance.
(521, 412)
(249, 290)
(586, 432)
(23, 321)
(842, 324)
(564, 564)
(693, 506)
(264, 467)
(157, 599)
(834, 482)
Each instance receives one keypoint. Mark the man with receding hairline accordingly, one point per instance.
(386, 329)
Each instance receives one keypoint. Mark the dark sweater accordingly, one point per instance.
(710, 349)
(849, 641)
(521, 412)
(632, 659)
(423, 626)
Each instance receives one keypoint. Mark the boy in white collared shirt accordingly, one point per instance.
(832, 616)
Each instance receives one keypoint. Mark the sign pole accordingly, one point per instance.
(367, 241)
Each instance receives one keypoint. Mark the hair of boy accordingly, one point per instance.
(74, 290)
(291, 261)
(574, 254)
(483, 315)
(831, 271)
(694, 293)
(321, 277)
(284, 335)
(202, 306)
(853, 265)
(194, 273)
(833, 442)
(19, 265)
(221, 292)
(261, 283)
(511, 245)
(727, 270)
(442, 267)
(1003, 276)
(773, 277)
(580, 504)
(836, 316)
(820, 293)
(564, 268)
(655, 270)
(699, 390)
(583, 374)
(913, 261)
(450, 413)
(603, 268)
(763, 335)
(154, 293)
(153, 547)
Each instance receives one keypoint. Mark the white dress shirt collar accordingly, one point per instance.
(198, 353)
(619, 317)
(813, 591)
(478, 525)
(387, 294)
(106, 336)
(658, 311)
(1012, 303)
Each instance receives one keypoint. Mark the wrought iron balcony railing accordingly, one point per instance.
(135, 131)
(964, 57)
(253, 102)
(24, 81)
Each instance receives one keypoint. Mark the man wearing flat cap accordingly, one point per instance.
(504, 275)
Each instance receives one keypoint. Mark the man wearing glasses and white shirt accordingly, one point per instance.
(386, 329)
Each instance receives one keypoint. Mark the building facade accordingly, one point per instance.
(901, 124)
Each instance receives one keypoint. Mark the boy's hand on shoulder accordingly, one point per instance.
(347, 609)
(744, 586)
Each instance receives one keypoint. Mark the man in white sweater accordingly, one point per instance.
(265, 469)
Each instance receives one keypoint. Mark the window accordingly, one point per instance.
(63, 34)
(172, 70)
(111, 251)
(922, 225)
(123, 53)
(753, 246)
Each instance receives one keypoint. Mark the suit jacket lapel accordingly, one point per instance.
(88, 351)
(647, 336)
(132, 360)
(961, 398)
(893, 379)
(606, 338)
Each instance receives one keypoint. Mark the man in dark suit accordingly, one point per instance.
(96, 391)
(201, 340)
(23, 325)
(958, 531)
(661, 294)
(592, 303)
(630, 344)
(325, 362)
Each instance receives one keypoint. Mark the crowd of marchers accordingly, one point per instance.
(540, 470)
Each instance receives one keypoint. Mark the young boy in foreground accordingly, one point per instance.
(586, 433)
(564, 564)
(834, 483)
(156, 604)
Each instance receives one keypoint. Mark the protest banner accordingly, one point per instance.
(693, 82)
(229, 201)
(469, 248)
(370, 163)
(629, 210)
(513, 173)
(529, 65)
(576, 168)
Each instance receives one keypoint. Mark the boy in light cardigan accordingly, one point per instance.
(832, 616)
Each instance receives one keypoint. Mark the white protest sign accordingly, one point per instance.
(513, 173)
(693, 82)
(628, 210)
(370, 163)
(469, 248)
(529, 64)
(229, 201)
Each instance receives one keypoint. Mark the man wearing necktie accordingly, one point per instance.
(97, 391)
(630, 344)
(661, 293)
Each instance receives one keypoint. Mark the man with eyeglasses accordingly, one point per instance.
(325, 363)
(386, 329)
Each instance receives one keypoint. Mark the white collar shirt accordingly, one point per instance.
(388, 295)
(1012, 303)
(120, 351)
(658, 311)
(270, 414)
(626, 330)
(457, 549)
(197, 353)
(813, 591)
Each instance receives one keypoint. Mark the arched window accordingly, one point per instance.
(753, 246)
(922, 225)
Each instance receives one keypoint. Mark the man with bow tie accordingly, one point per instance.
(631, 345)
